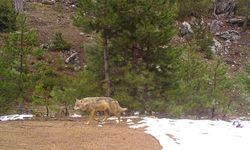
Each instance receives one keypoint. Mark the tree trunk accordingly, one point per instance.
(18, 6)
(66, 109)
(246, 16)
(134, 55)
(146, 98)
(213, 112)
(47, 111)
(106, 67)
(21, 54)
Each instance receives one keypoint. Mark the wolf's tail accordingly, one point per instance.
(120, 109)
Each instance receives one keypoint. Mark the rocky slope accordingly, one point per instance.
(231, 44)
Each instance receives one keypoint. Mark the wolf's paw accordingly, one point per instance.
(103, 122)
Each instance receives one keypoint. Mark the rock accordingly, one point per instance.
(228, 43)
(77, 67)
(48, 2)
(87, 35)
(75, 60)
(226, 7)
(44, 46)
(70, 2)
(238, 21)
(237, 124)
(71, 58)
(215, 26)
(197, 22)
(72, 6)
(82, 34)
(231, 35)
(217, 47)
(185, 29)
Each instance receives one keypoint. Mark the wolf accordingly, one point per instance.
(104, 104)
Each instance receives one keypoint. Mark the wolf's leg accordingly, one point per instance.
(106, 116)
(92, 113)
(118, 115)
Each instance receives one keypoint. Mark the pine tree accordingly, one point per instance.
(140, 51)
(45, 79)
(40, 97)
(135, 37)
(220, 87)
(16, 48)
(100, 17)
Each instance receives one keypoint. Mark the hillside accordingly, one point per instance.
(190, 59)
(54, 17)
(175, 73)
(47, 20)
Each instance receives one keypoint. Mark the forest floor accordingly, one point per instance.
(67, 135)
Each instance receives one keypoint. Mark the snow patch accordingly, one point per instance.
(75, 116)
(129, 120)
(183, 134)
(16, 117)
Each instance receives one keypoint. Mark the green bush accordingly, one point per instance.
(203, 38)
(59, 44)
(7, 16)
(192, 7)
(241, 7)
(38, 53)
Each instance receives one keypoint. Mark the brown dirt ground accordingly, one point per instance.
(67, 135)
(47, 20)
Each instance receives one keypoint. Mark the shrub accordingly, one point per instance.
(59, 44)
(192, 7)
(7, 16)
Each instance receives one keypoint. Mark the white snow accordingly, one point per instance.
(16, 117)
(184, 134)
(137, 113)
(129, 120)
(130, 117)
(75, 116)
(99, 125)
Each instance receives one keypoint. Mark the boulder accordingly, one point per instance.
(230, 35)
(71, 58)
(226, 7)
(217, 47)
(48, 2)
(185, 29)
(215, 26)
(75, 60)
(70, 2)
(239, 21)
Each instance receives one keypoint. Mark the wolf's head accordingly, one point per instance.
(81, 105)
(77, 105)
